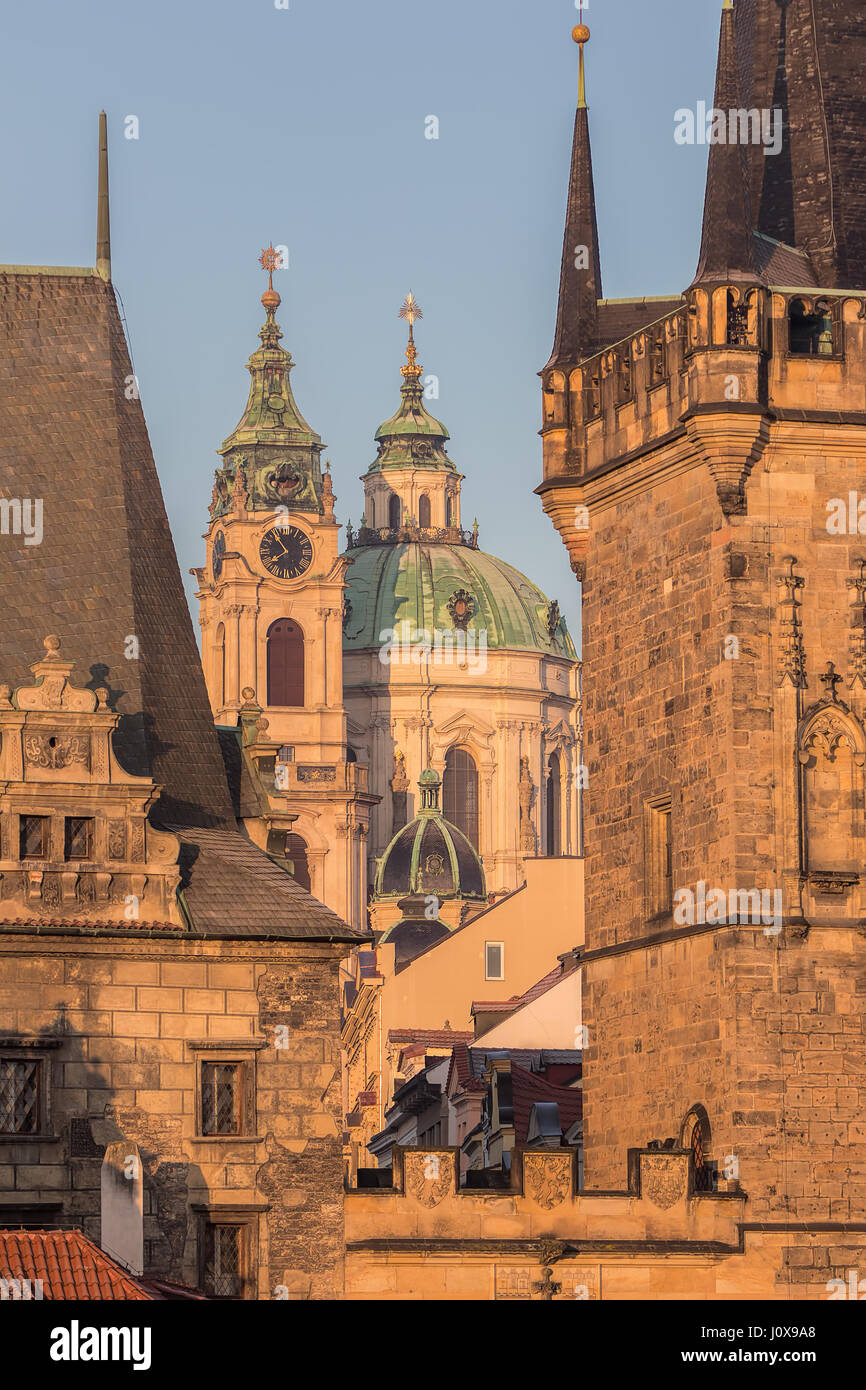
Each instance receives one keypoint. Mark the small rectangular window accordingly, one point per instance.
(658, 858)
(225, 1257)
(20, 1095)
(494, 953)
(78, 837)
(222, 1098)
(34, 837)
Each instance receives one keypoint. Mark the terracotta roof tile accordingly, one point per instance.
(434, 1037)
(69, 1265)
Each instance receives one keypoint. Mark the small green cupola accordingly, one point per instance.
(272, 457)
(430, 856)
(412, 481)
(412, 437)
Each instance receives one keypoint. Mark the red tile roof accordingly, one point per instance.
(69, 1265)
(517, 1001)
(527, 1088)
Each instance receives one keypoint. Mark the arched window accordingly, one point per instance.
(460, 793)
(811, 332)
(394, 512)
(451, 512)
(831, 756)
(424, 510)
(220, 665)
(285, 663)
(696, 1137)
(554, 805)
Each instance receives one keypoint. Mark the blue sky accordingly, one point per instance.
(306, 126)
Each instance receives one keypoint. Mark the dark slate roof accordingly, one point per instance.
(620, 318)
(808, 59)
(782, 265)
(232, 889)
(106, 570)
(242, 787)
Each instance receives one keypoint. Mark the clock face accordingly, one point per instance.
(286, 552)
(219, 550)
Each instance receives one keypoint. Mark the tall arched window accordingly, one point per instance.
(554, 805)
(451, 512)
(394, 512)
(695, 1135)
(285, 663)
(460, 793)
(220, 665)
(424, 510)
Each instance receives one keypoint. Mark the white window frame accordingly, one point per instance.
(501, 946)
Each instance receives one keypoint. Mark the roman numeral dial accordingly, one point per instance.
(286, 552)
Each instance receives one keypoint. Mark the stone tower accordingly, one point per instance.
(704, 460)
(271, 599)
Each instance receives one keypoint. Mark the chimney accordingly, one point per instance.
(123, 1205)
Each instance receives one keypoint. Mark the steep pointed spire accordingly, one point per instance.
(103, 224)
(580, 278)
(727, 241)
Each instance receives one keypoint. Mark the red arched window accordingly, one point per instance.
(460, 793)
(424, 510)
(285, 663)
(395, 515)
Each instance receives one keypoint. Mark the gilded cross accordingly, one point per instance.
(270, 260)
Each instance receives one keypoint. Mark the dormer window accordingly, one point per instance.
(35, 832)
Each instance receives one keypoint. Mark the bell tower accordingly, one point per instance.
(271, 613)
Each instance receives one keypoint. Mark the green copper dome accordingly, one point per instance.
(414, 582)
(430, 856)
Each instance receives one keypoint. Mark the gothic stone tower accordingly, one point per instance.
(703, 462)
(271, 598)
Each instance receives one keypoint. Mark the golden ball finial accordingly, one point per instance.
(580, 33)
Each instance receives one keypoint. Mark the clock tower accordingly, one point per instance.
(271, 612)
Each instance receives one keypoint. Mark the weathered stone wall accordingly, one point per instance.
(426, 1239)
(126, 1014)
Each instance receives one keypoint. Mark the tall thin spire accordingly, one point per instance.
(103, 224)
(580, 277)
(727, 241)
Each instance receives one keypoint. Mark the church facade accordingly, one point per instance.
(346, 676)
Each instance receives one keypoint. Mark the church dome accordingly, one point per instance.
(414, 582)
(430, 856)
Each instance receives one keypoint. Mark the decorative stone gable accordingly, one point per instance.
(75, 842)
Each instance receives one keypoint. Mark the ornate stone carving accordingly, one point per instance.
(792, 663)
(461, 608)
(116, 839)
(553, 620)
(316, 774)
(428, 1177)
(547, 1178)
(47, 750)
(663, 1179)
(858, 625)
(526, 795)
